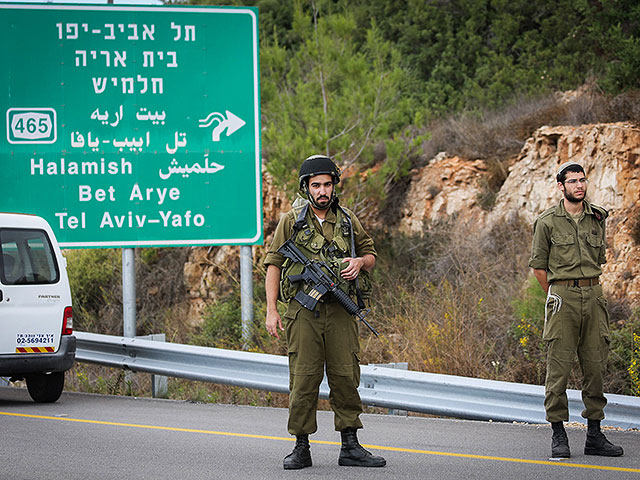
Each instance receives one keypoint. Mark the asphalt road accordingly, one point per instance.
(89, 437)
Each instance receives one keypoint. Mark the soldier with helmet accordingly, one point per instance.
(326, 337)
(567, 253)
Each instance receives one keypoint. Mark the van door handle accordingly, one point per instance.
(0, 295)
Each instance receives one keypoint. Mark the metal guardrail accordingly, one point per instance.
(443, 395)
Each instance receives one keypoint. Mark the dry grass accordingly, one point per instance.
(457, 302)
(444, 299)
(500, 133)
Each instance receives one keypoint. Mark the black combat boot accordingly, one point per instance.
(301, 455)
(353, 455)
(597, 443)
(559, 441)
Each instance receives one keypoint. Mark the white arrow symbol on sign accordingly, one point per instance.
(231, 123)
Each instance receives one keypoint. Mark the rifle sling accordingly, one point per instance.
(361, 304)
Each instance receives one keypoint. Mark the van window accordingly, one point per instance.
(26, 257)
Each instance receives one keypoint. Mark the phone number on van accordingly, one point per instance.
(34, 339)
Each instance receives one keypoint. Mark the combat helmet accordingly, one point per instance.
(317, 165)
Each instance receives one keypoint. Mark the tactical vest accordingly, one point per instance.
(316, 247)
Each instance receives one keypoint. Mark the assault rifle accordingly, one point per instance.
(321, 283)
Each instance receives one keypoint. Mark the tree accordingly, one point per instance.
(329, 95)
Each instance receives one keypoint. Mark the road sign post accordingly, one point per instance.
(132, 126)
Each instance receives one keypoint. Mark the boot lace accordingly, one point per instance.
(300, 447)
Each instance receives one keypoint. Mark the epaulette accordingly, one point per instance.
(547, 212)
(299, 203)
(347, 211)
(599, 212)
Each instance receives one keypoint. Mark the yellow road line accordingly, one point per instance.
(322, 442)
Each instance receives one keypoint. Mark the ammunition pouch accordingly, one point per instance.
(314, 246)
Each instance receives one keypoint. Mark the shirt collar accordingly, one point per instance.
(562, 212)
(330, 218)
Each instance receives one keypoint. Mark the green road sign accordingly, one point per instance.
(132, 126)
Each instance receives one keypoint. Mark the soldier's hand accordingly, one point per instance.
(352, 271)
(273, 322)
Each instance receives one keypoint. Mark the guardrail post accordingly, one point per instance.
(159, 383)
(399, 366)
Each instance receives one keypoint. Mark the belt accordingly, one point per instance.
(579, 282)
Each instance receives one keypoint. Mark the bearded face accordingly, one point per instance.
(321, 191)
(574, 187)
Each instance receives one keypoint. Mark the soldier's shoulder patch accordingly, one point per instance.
(599, 212)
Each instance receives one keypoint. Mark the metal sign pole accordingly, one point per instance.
(129, 292)
(128, 302)
(246, 291)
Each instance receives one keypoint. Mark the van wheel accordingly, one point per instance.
(45, 387)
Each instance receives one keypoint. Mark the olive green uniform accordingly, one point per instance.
(576, 319)
(326, 336)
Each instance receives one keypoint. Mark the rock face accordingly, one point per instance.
(446, 186)
(610, 154)
(213, 272)
(452, 186)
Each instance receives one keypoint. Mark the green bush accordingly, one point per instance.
(634, 366)
(222, 324)
(624, 356)
(94, 276)
(527, 330)
(332, 95)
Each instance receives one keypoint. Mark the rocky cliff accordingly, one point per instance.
(610, 154)
(451, 186)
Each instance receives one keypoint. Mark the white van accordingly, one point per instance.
(36, 322)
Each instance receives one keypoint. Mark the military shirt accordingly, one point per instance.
(284, 231)
(569, 249)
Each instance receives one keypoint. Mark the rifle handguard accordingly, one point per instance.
(352, 308)
(343, 299)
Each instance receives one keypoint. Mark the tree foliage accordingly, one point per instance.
(356, 79)
(332, 95)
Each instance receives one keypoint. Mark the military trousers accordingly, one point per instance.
(326, 338)
(576, 324)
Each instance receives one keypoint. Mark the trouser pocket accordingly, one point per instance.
(552, 319)
(603, 317)
(602, 314)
